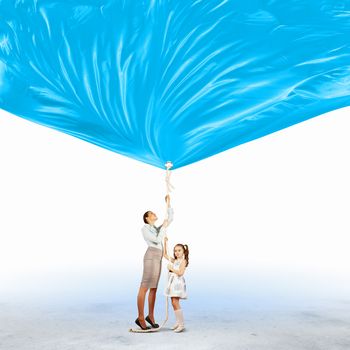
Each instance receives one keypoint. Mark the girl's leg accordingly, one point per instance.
(175, 301)
(178, 314)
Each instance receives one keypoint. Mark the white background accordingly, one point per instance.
(272, 214)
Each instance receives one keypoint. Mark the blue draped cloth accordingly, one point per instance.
(182, 80)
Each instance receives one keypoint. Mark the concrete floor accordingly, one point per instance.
(101, 326)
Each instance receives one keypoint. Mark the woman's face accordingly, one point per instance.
(178, 251)
(152, 217)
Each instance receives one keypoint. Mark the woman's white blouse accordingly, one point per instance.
(154, 235)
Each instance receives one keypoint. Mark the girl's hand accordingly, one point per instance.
(167, 198)
(169, 267)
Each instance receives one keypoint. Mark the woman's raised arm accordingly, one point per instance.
(170, 211)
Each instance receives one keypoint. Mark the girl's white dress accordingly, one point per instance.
(176, 285)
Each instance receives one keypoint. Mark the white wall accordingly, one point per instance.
(276, 208)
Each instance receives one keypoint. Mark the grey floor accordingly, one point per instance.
(324, 325)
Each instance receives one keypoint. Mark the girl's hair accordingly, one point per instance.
(185, 249)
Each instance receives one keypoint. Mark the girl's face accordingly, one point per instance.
(178, 251)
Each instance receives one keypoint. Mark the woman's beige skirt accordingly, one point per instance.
(152, 266)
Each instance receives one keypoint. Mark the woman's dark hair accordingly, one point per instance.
(185, 249)
(145, 215)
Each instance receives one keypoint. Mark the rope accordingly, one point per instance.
(169, 186)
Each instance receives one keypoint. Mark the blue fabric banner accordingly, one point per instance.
(176, 80)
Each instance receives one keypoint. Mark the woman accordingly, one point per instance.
(152, 264)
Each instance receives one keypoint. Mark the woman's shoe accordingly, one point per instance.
(154, 325)
(179, 329)
(175, 326)
(139, 324)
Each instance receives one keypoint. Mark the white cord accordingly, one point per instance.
(169, 186)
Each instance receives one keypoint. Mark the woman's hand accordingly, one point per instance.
(169, 267)
(166, 238)
(167, 199)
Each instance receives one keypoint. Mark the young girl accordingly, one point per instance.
(176, 285)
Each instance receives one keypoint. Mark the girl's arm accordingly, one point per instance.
(181, 269)
(168, 257)
(165, 254)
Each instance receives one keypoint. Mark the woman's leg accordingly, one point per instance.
(141, 304)
(151, 302)
(157, 268)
